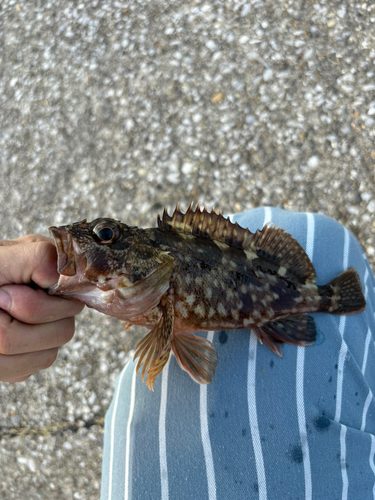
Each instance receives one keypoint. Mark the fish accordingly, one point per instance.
(197, 271)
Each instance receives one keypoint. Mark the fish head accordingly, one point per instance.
(110, 266)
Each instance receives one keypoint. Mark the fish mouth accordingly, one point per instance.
(66, 264)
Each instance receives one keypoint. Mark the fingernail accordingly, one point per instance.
(4, 300)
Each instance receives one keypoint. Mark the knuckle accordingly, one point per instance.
(38, 252)
(42, 250)
(65, 331)
(28, 238)
(30, 306)
(49, 358)
(15, 380)
(48, 248)
(5, 343)
(69, 330)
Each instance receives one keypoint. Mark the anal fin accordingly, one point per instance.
(299, 330)
(275, 345)
(154, 349)
(195, 355)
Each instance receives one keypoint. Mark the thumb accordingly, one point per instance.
(30, 261)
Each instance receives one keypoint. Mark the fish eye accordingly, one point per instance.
(106, 233)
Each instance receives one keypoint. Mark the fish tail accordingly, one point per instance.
(343, 295)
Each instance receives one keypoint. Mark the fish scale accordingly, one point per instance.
(197, 271)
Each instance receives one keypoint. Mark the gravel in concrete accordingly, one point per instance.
(115, 108)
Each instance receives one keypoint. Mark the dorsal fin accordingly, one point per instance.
(206, 224)
(270, 243)
(278, 246)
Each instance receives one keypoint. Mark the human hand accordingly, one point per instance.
(33, 325)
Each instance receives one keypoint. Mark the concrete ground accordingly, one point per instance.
(117, 108)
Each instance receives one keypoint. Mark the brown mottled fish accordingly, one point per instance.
(198, 271)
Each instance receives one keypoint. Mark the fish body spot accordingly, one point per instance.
(270, 313)
(235, 314)
(250, 255)
(180, 306)
(282, 271)
(272, 279)
(198, 280)
(199, 311)
(221, 309)
(190, 299)
(261, 274)
(222, 246)
(313, 289)
(211, 312)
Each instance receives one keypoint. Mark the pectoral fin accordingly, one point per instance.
(196, 356)
(154, 349)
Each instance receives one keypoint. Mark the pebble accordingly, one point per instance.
(267, 75)
(245, 10)
(313, 162)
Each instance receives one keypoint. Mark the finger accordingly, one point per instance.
(23, 263)
(28, 238)
(19, 338)
(20, 366)
(35, 306)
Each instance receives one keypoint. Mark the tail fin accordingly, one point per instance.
(344, 293)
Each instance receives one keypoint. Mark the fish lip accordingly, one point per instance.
(66, 264)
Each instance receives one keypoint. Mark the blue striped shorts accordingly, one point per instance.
(300, 427)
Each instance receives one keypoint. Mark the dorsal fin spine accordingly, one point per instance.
(196, 219)
(212, 225)
(165, 215)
